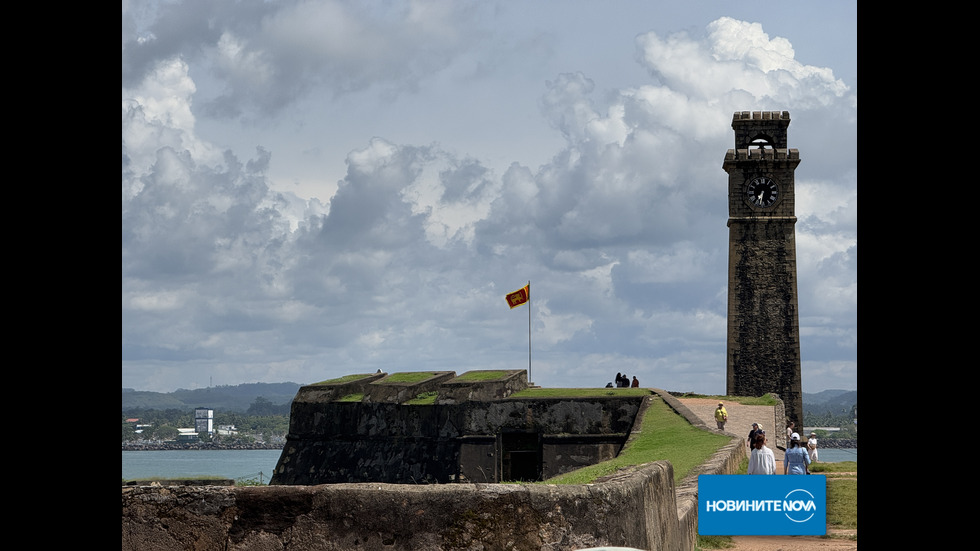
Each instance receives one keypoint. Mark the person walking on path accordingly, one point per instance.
(755, 430)
(762, 460)
(721, 416)
(796, 460)
(811, 447)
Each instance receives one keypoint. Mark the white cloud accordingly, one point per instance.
(403, 263)
(738, 56)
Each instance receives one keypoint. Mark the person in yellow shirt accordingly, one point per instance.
(721, 416)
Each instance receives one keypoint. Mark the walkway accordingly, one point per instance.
(740, 419)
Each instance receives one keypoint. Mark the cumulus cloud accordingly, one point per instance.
(737, 56)
(405, 265)
(260, 57)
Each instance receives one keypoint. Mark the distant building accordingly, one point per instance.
(187, 435)
(227, 430)
(204, 420)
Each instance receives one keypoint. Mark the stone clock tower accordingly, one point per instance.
(763, 317)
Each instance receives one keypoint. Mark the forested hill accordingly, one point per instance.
(832, 402)
(221, 398)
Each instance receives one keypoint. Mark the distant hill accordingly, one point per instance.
(222, 398)
(829, 401)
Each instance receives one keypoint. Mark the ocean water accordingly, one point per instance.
(833, 455)
(256, 464)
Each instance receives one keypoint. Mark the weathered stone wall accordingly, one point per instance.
(638, 508)
(336, 442)
(456, 391)
(371, 428)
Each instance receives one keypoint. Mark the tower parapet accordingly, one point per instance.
(760, 128)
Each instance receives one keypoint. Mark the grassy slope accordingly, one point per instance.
(663, 435)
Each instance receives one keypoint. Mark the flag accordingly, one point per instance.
(519, 296)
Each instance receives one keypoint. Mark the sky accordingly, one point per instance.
(318, 188)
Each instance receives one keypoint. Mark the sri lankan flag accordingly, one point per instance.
(519, 296)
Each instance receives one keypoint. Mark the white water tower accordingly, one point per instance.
(204, 420)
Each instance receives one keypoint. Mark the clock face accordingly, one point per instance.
(762, 192)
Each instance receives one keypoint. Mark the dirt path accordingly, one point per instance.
(837, 542)
(740, 419)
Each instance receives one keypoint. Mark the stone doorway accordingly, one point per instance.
(520, 456)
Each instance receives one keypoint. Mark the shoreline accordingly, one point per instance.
(167, 446)
(828, 444)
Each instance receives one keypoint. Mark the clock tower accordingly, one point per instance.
(763, 317)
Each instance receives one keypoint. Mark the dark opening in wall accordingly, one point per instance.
(520, 456)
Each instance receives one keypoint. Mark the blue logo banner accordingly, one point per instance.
(762, 505)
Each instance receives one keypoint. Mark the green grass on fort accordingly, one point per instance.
(409, 377)
(345, 379)
(423, 399)
(663, 435)
(356, 397)
(480, 375)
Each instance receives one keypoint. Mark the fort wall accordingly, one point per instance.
(470, 428)
(639, 507)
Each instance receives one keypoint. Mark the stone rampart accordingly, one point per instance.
(635, 510)
(336, 442)
(639, 508)
(437, 428)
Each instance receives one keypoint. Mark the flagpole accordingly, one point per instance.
(529, 380)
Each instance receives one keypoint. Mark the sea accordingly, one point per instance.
(258, 465)
(836, 455)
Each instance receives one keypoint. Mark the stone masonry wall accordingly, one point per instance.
(639, 508)
(629, 511)
(337, 442)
